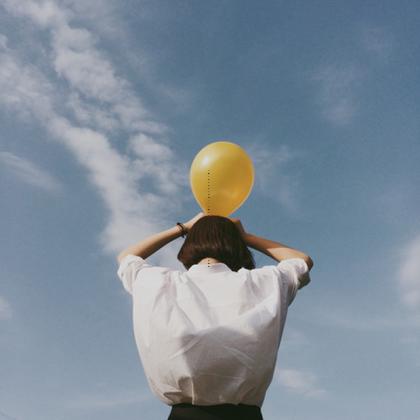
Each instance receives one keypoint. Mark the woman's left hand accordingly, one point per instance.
(188, 225)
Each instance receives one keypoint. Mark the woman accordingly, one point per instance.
(208, 337)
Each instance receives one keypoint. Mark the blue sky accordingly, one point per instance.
(103, 106)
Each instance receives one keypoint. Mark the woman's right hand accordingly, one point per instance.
(188, 225)
(238, 224)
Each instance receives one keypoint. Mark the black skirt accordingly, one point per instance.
(186, 411)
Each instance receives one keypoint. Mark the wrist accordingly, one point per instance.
(182, 229)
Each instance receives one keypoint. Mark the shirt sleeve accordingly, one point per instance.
(129, 269)
(291, 271)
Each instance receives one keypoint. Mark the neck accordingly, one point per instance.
(209, 261)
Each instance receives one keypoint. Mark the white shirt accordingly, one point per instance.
(210, 335)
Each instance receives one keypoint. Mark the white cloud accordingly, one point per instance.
(28, 172)
(131, 213)
(337, 92)
(156, 162)
(94, 91)
(344, 314)
(378, 41)
(87, 70)
(271, 177)
(5, 309)
(409, 273)
(339, 83)
(103, 16)
(3, 41)
(7, 416)
(299, 382)
(90, 115)
(44, 13)
(24, 88)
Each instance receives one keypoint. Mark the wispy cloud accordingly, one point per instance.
(24, 88)
(77, 60)
(338, 85)
(158, 163)
(299, 382)
(95, 105)
(6, 416)
(378, 41)
(272, 178)
(103, 15)
(409, 274)
(5, 309)
(360, 318)
(28, 172)
(3, 41)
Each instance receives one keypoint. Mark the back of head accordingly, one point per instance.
(219, 238)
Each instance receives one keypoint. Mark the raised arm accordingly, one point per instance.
(275, 250)
(279, 252)
(153, 243)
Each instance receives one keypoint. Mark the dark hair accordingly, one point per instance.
(219, 238)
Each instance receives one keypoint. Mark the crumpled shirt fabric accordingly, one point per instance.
(209, 335)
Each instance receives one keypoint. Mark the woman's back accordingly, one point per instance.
(210, 335)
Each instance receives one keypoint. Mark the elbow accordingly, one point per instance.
(120, 256)
(309, 262)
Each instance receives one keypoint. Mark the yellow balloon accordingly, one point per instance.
(221, 177)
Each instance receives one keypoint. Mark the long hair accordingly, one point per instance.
(219, 238)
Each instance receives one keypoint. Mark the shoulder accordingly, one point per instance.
(133, 268)
(290, 274)
(136, 262)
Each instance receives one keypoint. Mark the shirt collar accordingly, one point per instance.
(212, 268)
